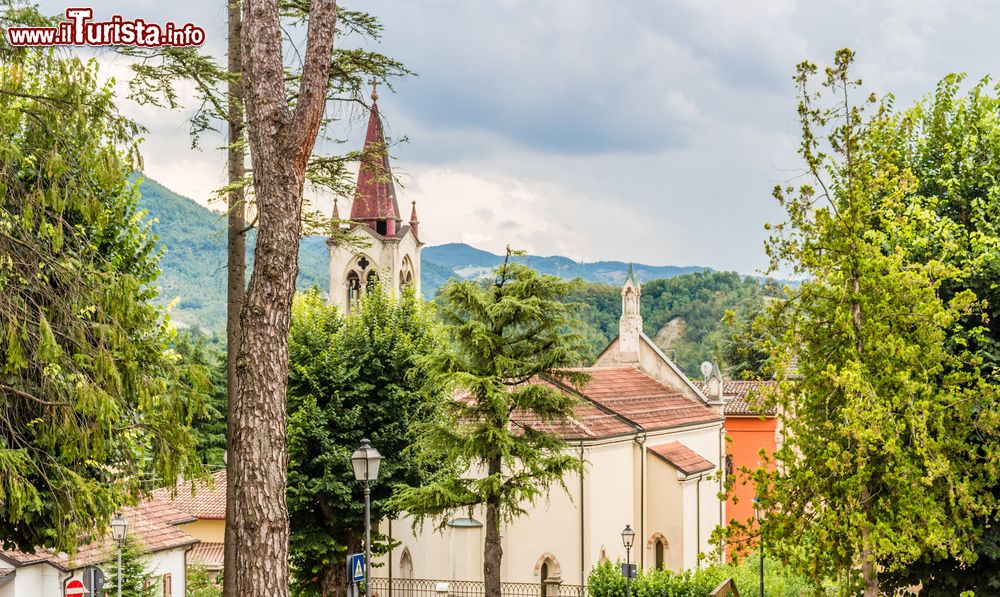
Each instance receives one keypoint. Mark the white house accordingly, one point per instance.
(652, 444)
(45, 573)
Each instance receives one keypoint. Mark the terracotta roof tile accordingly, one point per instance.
(616, 400)
(740, 396)
(208, 500)
(152, 522)
(208, 554)
(682, 458)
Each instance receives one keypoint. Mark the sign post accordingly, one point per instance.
(356, 572)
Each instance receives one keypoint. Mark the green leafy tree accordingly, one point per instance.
(137, 576)
(747, 347)
(503, 335)
(349, 378)
(876, 470)
(200, 582)
(92, 407)
(950, 141)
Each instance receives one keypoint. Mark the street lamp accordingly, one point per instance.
(365, 461)
(760, 514)
(119, 528)
(628, 537)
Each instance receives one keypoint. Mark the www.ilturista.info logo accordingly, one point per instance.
(79, 29)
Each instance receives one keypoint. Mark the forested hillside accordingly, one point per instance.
(682, 307)
(683, 315)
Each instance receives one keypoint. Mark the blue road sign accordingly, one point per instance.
(357, 569)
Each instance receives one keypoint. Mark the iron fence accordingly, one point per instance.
(426, 587)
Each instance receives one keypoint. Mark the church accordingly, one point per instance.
(377, 245)
(653, 447)
(652, 441)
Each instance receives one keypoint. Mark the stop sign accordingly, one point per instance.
(75, 588)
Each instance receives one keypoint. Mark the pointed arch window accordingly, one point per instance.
(660, 552)
(353, 290)
(372, 281)
(406, 571)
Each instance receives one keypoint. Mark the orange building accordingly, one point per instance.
(748, 431)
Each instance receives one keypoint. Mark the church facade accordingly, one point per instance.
(376, 245)
(653, 447)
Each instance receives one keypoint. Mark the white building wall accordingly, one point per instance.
(385, 256)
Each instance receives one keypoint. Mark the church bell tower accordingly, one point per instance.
(381, 247)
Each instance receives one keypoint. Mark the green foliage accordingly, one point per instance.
(193, 243)
(950, 141)
(502, 334)
(877, 469)
(349, 378)
(203, 365)
(606, 580)
(92, 409)
(137, 576)
(200, 583)
(701, 300)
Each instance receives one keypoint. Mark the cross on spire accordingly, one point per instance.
(374, 84)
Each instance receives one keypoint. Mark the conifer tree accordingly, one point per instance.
(503, 335)
(876, 469)
(137, 576)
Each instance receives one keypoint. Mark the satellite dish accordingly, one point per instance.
(706, 369)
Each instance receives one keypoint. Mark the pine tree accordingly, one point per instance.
(503, 335)
(137, 576)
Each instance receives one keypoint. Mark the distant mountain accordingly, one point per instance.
(469, 262)
(193, 267)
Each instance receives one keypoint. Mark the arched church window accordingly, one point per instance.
(406, 571)
(659, 552)
(353, 290)
(406, 272)
(372, 280)
(545, 575)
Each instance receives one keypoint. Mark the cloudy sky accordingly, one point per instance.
(650, 131)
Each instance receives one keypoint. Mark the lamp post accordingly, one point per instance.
(365, 461)
(760, 515)
(628, 536)
(119, 527)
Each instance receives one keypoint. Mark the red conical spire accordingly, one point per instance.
(375, 196)
(336, 212)
(414, 222)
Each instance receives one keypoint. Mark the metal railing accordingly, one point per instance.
(426, 587)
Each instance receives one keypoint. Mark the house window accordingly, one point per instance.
(168, 587)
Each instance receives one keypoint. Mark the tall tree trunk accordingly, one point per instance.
(492, 552)
(334, 579)
(869, 575)
(281, 142)
(236, 273)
